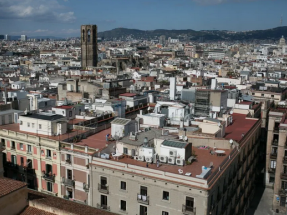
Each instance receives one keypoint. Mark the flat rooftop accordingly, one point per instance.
(239, 127)
(203, 158)
(44, 116)
(96, 141)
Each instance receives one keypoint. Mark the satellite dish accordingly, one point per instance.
(230, 141)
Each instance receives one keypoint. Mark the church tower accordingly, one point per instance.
(89, 46)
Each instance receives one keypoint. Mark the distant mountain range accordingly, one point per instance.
(121, 33)
(36, 37)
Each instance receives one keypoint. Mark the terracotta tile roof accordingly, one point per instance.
(34, 211)
(8, 186)
(60, 204)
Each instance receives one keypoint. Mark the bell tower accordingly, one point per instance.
(89, 46)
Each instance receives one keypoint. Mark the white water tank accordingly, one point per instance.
(151, 98)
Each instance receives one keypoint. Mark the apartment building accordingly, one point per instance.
(276, 158)
(32, 154)
(154, 172)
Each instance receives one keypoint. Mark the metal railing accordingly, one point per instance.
(68, 182)
(188, 210)
(86, 187)
(143, 199)
(49, 177)
(103, 188)
(104, 207)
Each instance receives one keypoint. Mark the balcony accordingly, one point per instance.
(49, 157)
(49, 177)
(276, 130)
(283, 192)
(103, 188)
(284, 176)
(68, 182)
(275, 143)
(143, 199)
(68, 161)
(86, 187)
(11, 165)
(13, 148)
(29, 152)
(285, 160)
(188, 210)
(273, 155)
(104, 207)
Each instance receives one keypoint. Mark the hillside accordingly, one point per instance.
(122, 33)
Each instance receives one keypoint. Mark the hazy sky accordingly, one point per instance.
(64, 17)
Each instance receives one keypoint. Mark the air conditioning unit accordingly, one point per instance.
(163, 159)
(141, 158)
(148, 159)
(171, 160)
(179, 162)
(172, 153)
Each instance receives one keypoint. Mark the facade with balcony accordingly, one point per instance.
(75, 172)
(276, 158)
(128, 186)
(31, 159)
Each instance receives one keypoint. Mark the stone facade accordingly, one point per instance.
(89, 46)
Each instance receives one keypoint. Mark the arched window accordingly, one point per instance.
(89, 35)
(83, 35)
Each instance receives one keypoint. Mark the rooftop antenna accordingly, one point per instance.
(281, 21)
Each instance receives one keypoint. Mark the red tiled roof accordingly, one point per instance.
(62, 205)
(34, 211)
(9, 185)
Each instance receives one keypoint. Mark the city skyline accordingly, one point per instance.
(62, 17)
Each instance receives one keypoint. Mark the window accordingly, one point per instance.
(143, 210)
(49, 169)
(272, 96)
(189, 203)
(33, 125)
(29, 149)
(70, 113)
(22, 161)
(46, 103)
(10, 119)
(68, 158)
(103, 181)
(282, 201)
(48, 153)
(262, 94)
(273, 164)
(143, 191)
(164, 213)
(3, 141)
(49, 187)
(253, 94)
(104, 201)
(123, 205)
(126, 151)
(28, 124)
(165, 195)
(271, 179)
(63, 112)
(21, 146)
(40, 126)
(70, 194)
(29, 164)
(3, 120)
(123, 185)
(21, 122)
(13, 145)
(13, 159)
(69, 174)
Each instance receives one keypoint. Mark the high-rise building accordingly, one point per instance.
(7, 37)
(89, 45)
(23, 37)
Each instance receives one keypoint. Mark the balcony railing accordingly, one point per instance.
(188, 210)
(13, 148)
(68, 161)
(283, 192)
(104, 207)
(143, 199)
(103, 188)
(49, 177)
(284, 176)
(276, 130)
(68, 182)
(285, 160)
(273, 155)
(86, 187)
(275, 143)
(29, 152)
